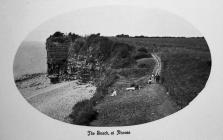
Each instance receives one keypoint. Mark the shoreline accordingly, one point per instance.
(54, 100)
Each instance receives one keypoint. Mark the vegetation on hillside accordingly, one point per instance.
(83, 113)
(185, 74)
(186, 64)
(118, 62)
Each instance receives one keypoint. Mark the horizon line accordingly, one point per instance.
(127, 36)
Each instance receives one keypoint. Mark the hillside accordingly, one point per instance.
(117, 63)
(185, 74)
(186, 64)
(107, 81)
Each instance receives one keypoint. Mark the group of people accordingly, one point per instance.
(152, 79)
(155, 78)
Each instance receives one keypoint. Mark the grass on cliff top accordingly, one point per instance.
(186, 63)
(185, 74)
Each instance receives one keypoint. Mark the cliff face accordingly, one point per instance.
(56, 55)
(71, 56)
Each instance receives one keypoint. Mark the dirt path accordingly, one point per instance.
(158, 66)
(57, 100)
(167, 106)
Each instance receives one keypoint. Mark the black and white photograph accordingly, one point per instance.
(115, 71)
(111, 69)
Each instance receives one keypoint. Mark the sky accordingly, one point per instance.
(113, 20)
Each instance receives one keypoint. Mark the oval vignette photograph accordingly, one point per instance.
(112, 66)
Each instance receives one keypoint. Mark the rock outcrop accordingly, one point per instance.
(71, 56)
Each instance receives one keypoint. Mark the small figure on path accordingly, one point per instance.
(157, 77)
(132, 87)
(114, 93)
(136, 87)
(150, 81)
(153, 77)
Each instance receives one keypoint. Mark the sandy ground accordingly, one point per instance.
(54, 100)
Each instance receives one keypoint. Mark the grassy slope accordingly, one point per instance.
(123, 71)
(133, 107)
(186, 64)
(185, 74)
(188, 59)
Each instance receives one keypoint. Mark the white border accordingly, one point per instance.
(18, 120)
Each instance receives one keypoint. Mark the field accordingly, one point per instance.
(186, 64)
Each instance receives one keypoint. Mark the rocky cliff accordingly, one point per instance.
(71, 56)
